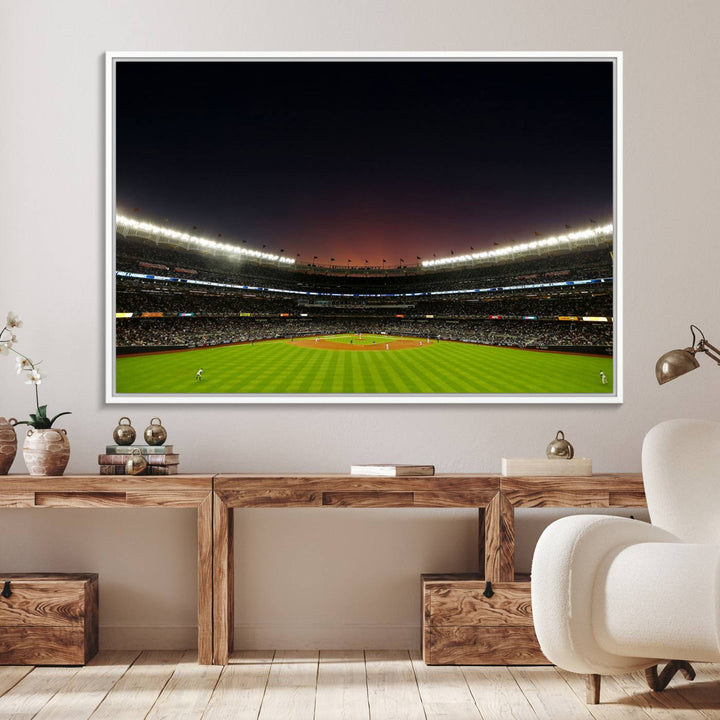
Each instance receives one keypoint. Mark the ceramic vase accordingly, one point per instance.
(46, 451)
(8, 445)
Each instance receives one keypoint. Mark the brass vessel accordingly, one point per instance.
(560, 448)
(124, 433)
(136, 463)
(155, 433)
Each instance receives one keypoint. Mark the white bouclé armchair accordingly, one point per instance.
(613, 595)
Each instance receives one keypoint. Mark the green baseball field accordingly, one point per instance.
(371, 364)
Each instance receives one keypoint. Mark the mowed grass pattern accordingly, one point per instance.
(281, 366)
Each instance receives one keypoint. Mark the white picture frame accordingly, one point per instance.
(195, 395)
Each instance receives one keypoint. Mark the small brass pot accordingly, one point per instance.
(124, 433)
(155, 433)
(560, 448)
(136, 463)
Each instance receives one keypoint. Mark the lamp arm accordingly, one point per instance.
(710, 350)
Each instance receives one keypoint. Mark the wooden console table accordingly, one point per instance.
(495, 497)
(215, 497)
(126, 491)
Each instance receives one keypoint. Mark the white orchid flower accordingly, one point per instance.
(35, 377)
(5, 346)
(13, 320)
(23, 364)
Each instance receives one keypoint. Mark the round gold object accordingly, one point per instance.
(560, 448)
(155, 433)
(124, 433)
(136, 463)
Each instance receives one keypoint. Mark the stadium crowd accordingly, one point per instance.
(148, 296)
(198, 332)
(234, 315)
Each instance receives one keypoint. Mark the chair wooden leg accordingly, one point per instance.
(592, 689)
(659, 682)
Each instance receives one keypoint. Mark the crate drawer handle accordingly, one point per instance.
(488, 592)
(6, 592)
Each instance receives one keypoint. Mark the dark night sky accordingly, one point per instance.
(365, 160)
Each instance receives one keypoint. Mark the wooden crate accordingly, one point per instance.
(48, 618)
(463, 627)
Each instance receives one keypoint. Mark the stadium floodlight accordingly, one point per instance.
(678, 362)
(158, 231)
(585, 234)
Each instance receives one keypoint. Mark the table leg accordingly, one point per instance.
(499, 518)
(481, 541)
(205, 579)
(223, 581)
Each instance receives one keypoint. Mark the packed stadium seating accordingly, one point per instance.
(169, 296)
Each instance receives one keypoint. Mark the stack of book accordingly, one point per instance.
(160, 459)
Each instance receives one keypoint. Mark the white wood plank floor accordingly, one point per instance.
(346, 685)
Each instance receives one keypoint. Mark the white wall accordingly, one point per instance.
(311, 576)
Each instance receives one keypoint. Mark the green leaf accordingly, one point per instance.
(67, 412)
(42, 411)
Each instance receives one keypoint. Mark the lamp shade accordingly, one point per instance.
(675, 363)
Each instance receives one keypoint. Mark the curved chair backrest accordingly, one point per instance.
(681, 471)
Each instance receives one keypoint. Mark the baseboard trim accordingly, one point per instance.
(327, 637)
(148, 637)
(266, 636)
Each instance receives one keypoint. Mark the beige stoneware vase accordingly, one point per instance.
(46, 451)
(8, 444)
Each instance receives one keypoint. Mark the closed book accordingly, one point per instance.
(392, 470)
(172, 459)
(162, 469)
(547, 467)
(112, 469)
(144, 449)
(149, 470)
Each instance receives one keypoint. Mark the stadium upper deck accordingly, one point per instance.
(530, 264)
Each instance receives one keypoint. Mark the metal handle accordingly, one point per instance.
(488, 592)
(6, 592)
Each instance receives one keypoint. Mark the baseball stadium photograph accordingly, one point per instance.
(363, 228)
